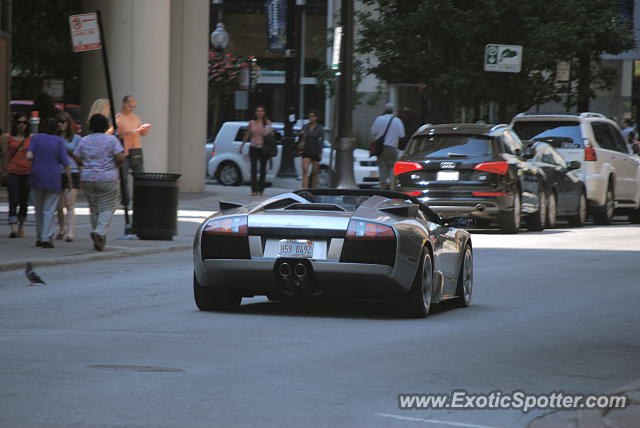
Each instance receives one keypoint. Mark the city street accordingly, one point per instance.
(120, 342)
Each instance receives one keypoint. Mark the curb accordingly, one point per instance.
(96, 256)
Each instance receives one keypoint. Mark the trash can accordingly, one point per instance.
(155, 205)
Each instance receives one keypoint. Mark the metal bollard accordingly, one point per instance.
(344, 163)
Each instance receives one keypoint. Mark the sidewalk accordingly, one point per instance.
(193, 208)
(628, 417)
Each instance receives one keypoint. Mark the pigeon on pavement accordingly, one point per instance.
(32, 276)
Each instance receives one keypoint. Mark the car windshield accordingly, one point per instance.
(347, 202)
(560, 134)
(450, 145)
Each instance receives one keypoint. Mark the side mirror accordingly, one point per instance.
(635, 148)
(574, 164)
(461, 222)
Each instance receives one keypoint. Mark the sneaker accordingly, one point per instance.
(98, 241)
(68, 239)
(47, 245)
(94, 238)
(13, 233)
(59, 236)
(39, 243)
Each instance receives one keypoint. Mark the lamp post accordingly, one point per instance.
(219, 37)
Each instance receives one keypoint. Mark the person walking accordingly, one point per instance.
(69, 194)
(393, 130)
(130, 130)
(47, 153)
(14, 149)
(98, 155)
(312, 141)
(258, 128)
(629, 131)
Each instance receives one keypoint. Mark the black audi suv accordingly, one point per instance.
(476, 170)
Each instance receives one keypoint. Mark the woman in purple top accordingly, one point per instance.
(99, 154)
(47, 153)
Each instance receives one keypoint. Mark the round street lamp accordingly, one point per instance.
(219, 37)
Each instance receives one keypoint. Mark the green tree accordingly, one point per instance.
(440, 44)
(41, 47)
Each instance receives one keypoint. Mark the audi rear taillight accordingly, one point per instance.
(229, 226)
(488, 193)
(414, 193)
(402, 167)
(590, 154)
(359, 229)
(499, 168)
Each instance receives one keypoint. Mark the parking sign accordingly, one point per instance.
(85, 34)
(503, 58)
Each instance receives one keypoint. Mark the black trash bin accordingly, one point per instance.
(155, 205)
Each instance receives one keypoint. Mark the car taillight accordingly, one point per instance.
(402, 167)
(488, 193)
(590, 154)
(414, 193)
(213, 154)
(359, 229)
(499, 168)
(230, 226)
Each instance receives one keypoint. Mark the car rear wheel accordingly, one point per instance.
(580, 218)
(417, 302)
(229, 174)
(604, 213)
(213, 299)
(510, 220)
(465, 279)
(536, 220)
(552, 210)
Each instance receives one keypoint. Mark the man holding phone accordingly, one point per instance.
(130, 129)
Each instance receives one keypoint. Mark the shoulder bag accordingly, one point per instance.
(377, 146)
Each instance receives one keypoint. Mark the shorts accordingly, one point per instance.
(75, 180)
(313, 156)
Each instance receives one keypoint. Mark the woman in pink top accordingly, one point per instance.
(258, 128)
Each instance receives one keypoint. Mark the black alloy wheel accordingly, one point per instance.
(509, 221)
(465, 279)
(580, 218)
(604, 214)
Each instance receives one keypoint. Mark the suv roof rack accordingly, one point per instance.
(591, 114)
(582, 114)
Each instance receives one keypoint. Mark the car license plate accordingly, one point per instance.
(447, 175)
(296, 248)
(373, 173)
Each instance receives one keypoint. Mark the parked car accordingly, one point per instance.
(565, 192)
(611, 171)
(476, 170)
(333, 242)
(231, 168)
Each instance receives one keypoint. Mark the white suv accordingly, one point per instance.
(231, 168)
(610, 169)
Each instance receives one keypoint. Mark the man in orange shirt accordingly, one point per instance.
(130, 129)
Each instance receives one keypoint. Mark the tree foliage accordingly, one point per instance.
(439, 44)
(41, 46)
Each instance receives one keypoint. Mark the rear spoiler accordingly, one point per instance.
(410, 211)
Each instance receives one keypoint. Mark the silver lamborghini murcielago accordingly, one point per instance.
(351, 243)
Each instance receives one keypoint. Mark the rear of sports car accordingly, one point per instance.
(301, 250)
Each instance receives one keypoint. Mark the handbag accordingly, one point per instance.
(269, 143)
(376, 147)
(135, 157)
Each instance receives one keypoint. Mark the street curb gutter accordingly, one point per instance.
(95, 256)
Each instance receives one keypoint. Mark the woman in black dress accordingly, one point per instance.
(313, 137)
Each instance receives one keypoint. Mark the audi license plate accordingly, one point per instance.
(296, 248)
(447, 176)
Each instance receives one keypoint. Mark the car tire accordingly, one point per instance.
(604, 214)
(580, 218)
(537, 220)
(228, 174)
(552, 211)
(417, 302)
(509, 221)
(465, 279)
(213, 299)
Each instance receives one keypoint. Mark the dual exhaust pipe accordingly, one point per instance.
(299, 270)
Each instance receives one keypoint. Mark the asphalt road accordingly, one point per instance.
(121, 344)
